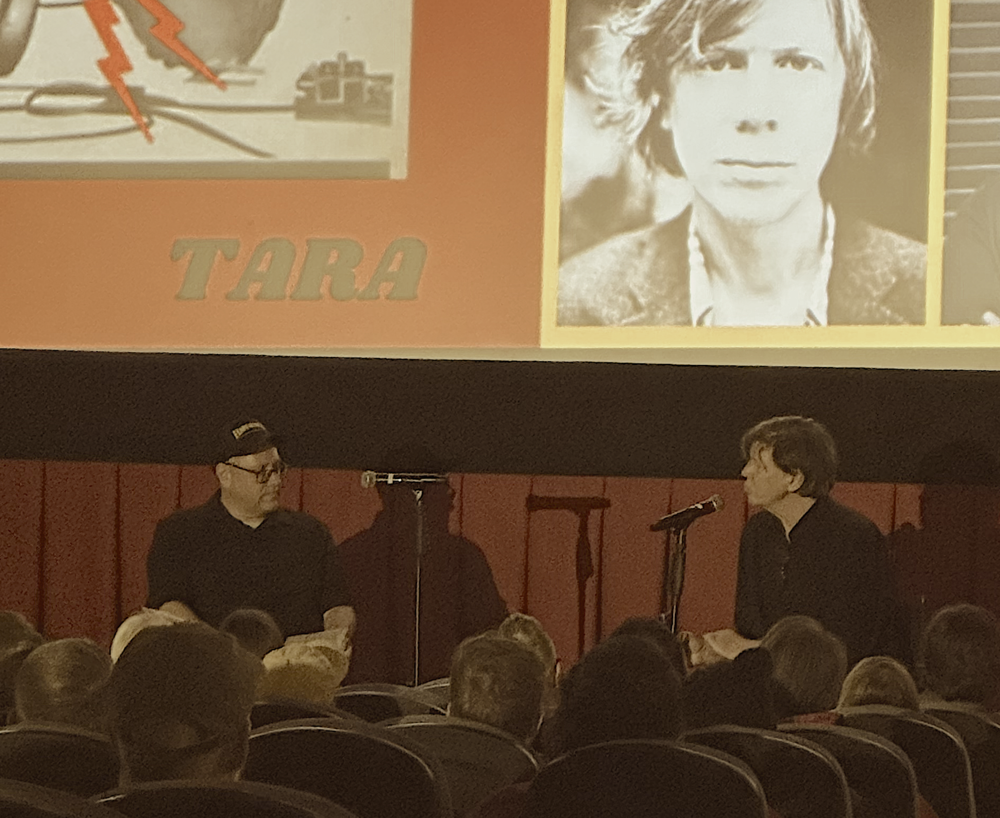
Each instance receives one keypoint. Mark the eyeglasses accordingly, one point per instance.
(264, 474)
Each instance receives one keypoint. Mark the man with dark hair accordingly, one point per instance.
(960, 656)
(254, 629)
(180, 704)
(64, 682)
(242, 550)
(625, 688)
(499, 682)
(804, 553)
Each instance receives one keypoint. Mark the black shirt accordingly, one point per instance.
(214, 564)
(832, 566)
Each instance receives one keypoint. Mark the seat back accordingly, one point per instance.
(239, 799)
(941, 764)
(477, 759)
(378, 702)
(646, 778)
(58, 757)
(370, 770)
(981, 736)
(275, 710)
(436, 691)
(19, 799)
(800, 778)
(875, 768)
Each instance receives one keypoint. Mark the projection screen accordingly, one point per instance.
(810, 182)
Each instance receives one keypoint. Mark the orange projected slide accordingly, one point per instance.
(369, 174)
(412, 175)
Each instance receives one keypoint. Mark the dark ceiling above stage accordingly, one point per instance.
(555, 418)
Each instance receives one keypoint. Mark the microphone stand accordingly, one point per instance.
(674, 560)
(581, 506)
(418, 498)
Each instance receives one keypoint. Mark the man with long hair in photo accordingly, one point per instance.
(752, 103)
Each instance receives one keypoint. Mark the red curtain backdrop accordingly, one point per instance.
(75, 538)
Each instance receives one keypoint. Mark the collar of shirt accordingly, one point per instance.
(702, 304)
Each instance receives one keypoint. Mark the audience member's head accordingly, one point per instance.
(180, 704)
(739, 692)
(499, 682)
(64, 682)
(624, 688)
(879, 680)
(308, 672)
(660, 633)
(810, 664)
(960, 655)
(254, 629)
(17, 639)
(525, 628)
(142, 619)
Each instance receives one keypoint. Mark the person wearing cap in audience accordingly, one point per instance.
(242, 550)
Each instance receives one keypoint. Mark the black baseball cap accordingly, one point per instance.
(242, 437)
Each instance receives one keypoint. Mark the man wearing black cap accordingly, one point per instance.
(242, 550)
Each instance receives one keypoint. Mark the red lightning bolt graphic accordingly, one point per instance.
(166, 29)
(116, 63)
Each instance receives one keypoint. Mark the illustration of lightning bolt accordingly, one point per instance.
(103, 17)
(166, 28)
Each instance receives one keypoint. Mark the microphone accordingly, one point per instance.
(686, 516)
(370, 478)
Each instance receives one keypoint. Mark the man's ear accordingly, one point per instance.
(223, 474)
(796, 481)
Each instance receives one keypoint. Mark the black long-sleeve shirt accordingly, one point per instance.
(832, 566)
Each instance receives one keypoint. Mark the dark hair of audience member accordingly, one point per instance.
(180, 704)
(64, 682)
(625, 688)
(254, 629)
(17, 639)
(879, 680)
(810, 664)
(499, 682)
(960, 655)
(739, 692)
(660, 633)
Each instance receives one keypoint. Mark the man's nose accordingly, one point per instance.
(758, 100)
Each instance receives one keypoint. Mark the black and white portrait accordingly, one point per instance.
(743, 163)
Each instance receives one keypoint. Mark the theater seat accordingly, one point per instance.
(800, 778)
(477, 759)
(59, 757)
(275, 710)
(18, 799)
(436, 692)
(981, 736)
(935, 749)
(875, 768)
(645, 779)
(371, 770)
(377, 702)
(240, 799)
